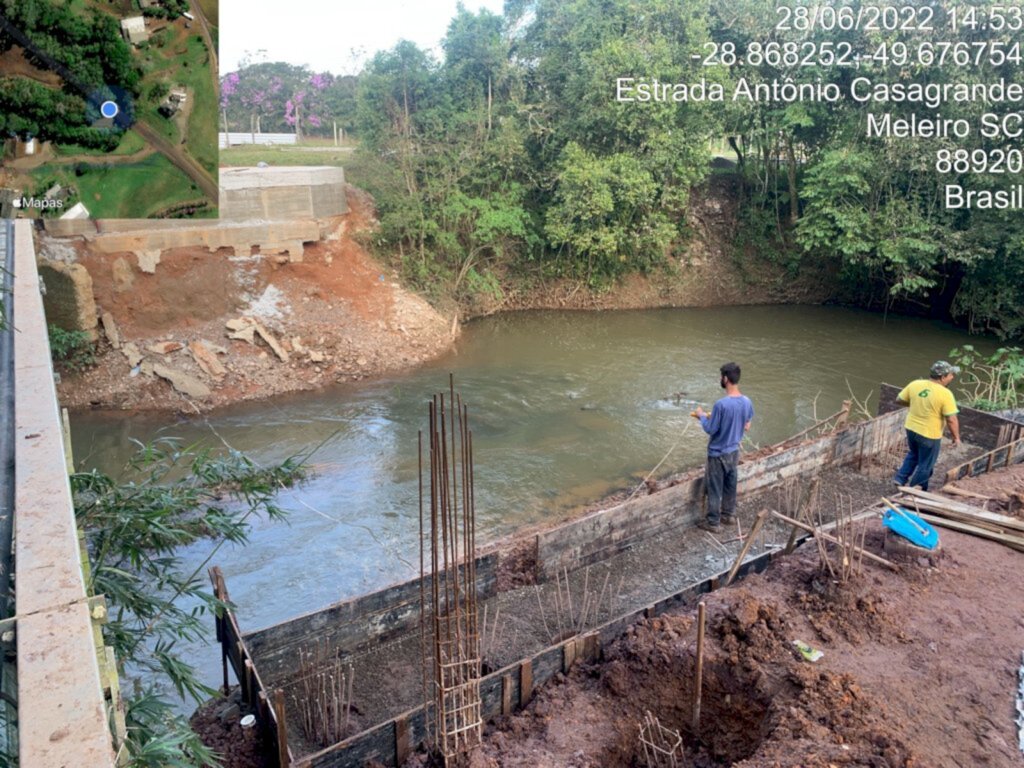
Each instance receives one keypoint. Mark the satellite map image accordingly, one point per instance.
(108, 108)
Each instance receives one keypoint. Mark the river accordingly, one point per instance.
(565, 407)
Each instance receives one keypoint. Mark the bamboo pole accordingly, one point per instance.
(758, 522)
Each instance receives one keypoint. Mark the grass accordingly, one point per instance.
(184, 60)
(202, 122)
(129, 191)
(249, 154)
(359, 169)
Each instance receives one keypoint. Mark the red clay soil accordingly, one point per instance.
(920, 670)
(1002, 491)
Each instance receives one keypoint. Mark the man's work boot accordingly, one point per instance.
(704, 525)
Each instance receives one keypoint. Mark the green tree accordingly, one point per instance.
(134, 529)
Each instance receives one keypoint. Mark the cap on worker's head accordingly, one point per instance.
(940, 368)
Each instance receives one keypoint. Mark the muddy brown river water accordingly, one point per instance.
(565, 408)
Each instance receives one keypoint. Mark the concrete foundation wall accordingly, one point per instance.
(275, 209)
(282, 193)
(69, 300)
(602, 534)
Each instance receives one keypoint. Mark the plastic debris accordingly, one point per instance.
(811, 654)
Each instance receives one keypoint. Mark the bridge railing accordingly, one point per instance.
(62, 710)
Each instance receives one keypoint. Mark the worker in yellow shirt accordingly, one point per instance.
(932, 407)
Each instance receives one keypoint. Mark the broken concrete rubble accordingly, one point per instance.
(110, 330)
(207, 360)
(184, 383)
(132, 353)
(246, 328)
(165, 347)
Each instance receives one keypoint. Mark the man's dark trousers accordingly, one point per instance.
(922, 453)
(720, 479)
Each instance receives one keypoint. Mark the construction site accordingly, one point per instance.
(811, 635)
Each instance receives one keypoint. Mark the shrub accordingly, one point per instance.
(71, 350)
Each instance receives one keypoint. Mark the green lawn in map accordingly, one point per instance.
(127, 190)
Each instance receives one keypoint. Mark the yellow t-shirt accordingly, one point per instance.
(929, 403)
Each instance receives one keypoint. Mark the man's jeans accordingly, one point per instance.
(720, 478)
(922, 453)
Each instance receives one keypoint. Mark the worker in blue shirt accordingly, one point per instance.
(729, 419)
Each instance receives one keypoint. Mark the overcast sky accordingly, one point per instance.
(323, 33)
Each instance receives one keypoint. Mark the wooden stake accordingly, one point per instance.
(699, 674)
(758, 522)
(284, 759)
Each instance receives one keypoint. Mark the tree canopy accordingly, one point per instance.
(510, 151)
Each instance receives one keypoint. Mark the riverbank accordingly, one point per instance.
(190, 333)
(199, 331)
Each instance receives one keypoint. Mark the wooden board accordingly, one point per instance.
(607, 532)
(968, 513)
(381, 742)
(1014, 542)
(352, 625)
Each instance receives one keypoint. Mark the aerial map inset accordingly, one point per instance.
(108, 108)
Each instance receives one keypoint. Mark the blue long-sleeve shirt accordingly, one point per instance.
(725, 425)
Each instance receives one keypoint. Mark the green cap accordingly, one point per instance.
(940, 368)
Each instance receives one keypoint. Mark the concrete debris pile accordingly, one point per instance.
(155, 359)
(143, 362)
(249, 328)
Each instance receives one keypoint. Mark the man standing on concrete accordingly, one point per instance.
(729, 419)
(932, 406)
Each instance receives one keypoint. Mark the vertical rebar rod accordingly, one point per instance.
(698, 681)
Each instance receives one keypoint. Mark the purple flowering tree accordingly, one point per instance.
(276, 97)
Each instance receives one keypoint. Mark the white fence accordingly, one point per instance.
(231, 139)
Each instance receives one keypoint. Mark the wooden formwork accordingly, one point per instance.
(510, 688)
(1004, 456)
(604, 533)
(267, 704)
(356, 624)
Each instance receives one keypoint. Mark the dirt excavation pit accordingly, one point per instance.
(919, 674)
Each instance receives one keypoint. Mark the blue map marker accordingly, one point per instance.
(109, 109)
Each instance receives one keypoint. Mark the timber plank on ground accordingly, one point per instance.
(1011, 541)
(966, 512)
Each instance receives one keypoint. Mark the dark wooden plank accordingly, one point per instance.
(283, 755)
(353, 625)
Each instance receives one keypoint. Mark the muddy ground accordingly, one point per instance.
(338, 315)
(919, 669)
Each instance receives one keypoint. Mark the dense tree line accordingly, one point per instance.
(90, 48)
(510, 151)
(92, 60)
(31, 110)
